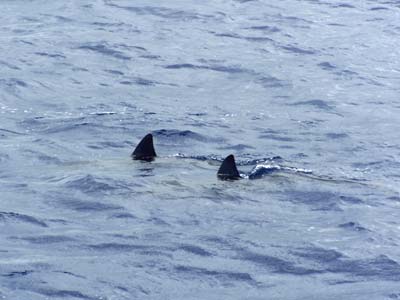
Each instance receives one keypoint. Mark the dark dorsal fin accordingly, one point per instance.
(228, 170)
(145, 149)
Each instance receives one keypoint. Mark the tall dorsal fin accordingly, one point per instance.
(145, 149)
(228, 170)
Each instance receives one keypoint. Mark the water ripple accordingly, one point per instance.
(276, 264)
(224, 276)
(89, 206)
(163, 12)
(105, 49)
(12, 216)
(174, 135)
(194, 250)
(90, 184)
(47, 239)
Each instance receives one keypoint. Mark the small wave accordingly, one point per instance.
(123, 216)
(220, 275)
(13, 83)
(147, 250)
(103, 113)
(275, 264)
(140, 81)
(163, 12)
(194, 250)
(18, 273)
(319, 200)
(352, 226)
(296, 170)
(270, 82)
(182, 66)
(104, 49)
(298, 50)
(380, 267)
(265, 28)
(247, 38)
(47, 239)
(217, 68)
(318, 103)
(4, 157)
(108, 145)
(351, 199)
(54, 293)
(378, 8)
(317, 254)
(21, 218)
(114, 72)
(90, 184)
(150, 57)
(108, 24)
(174, 134)
(276, 138)
(327, 66)
(67, 127)
(9, 65)
(210, 158)
(70, 274)
(252, 162)
(117, 247)
(49, 125)
(59, 18)
(87, 206)
(261, 170)
(335, 136)
(11, 131)
(42, 157)
(379, 164)
(50, 55)
(342, 5)
(261, 79)
(238, 147)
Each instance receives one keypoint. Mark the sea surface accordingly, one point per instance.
(307, 91)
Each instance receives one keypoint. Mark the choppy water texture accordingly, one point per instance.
(312, 84)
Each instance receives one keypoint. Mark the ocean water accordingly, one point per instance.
(309, 87)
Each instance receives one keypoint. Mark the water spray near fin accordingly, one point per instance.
(145, 149)
(228, 169)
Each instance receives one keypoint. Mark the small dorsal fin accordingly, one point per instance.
(145, 149)
(228, 169)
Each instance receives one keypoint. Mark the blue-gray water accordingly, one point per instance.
(313, 82)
